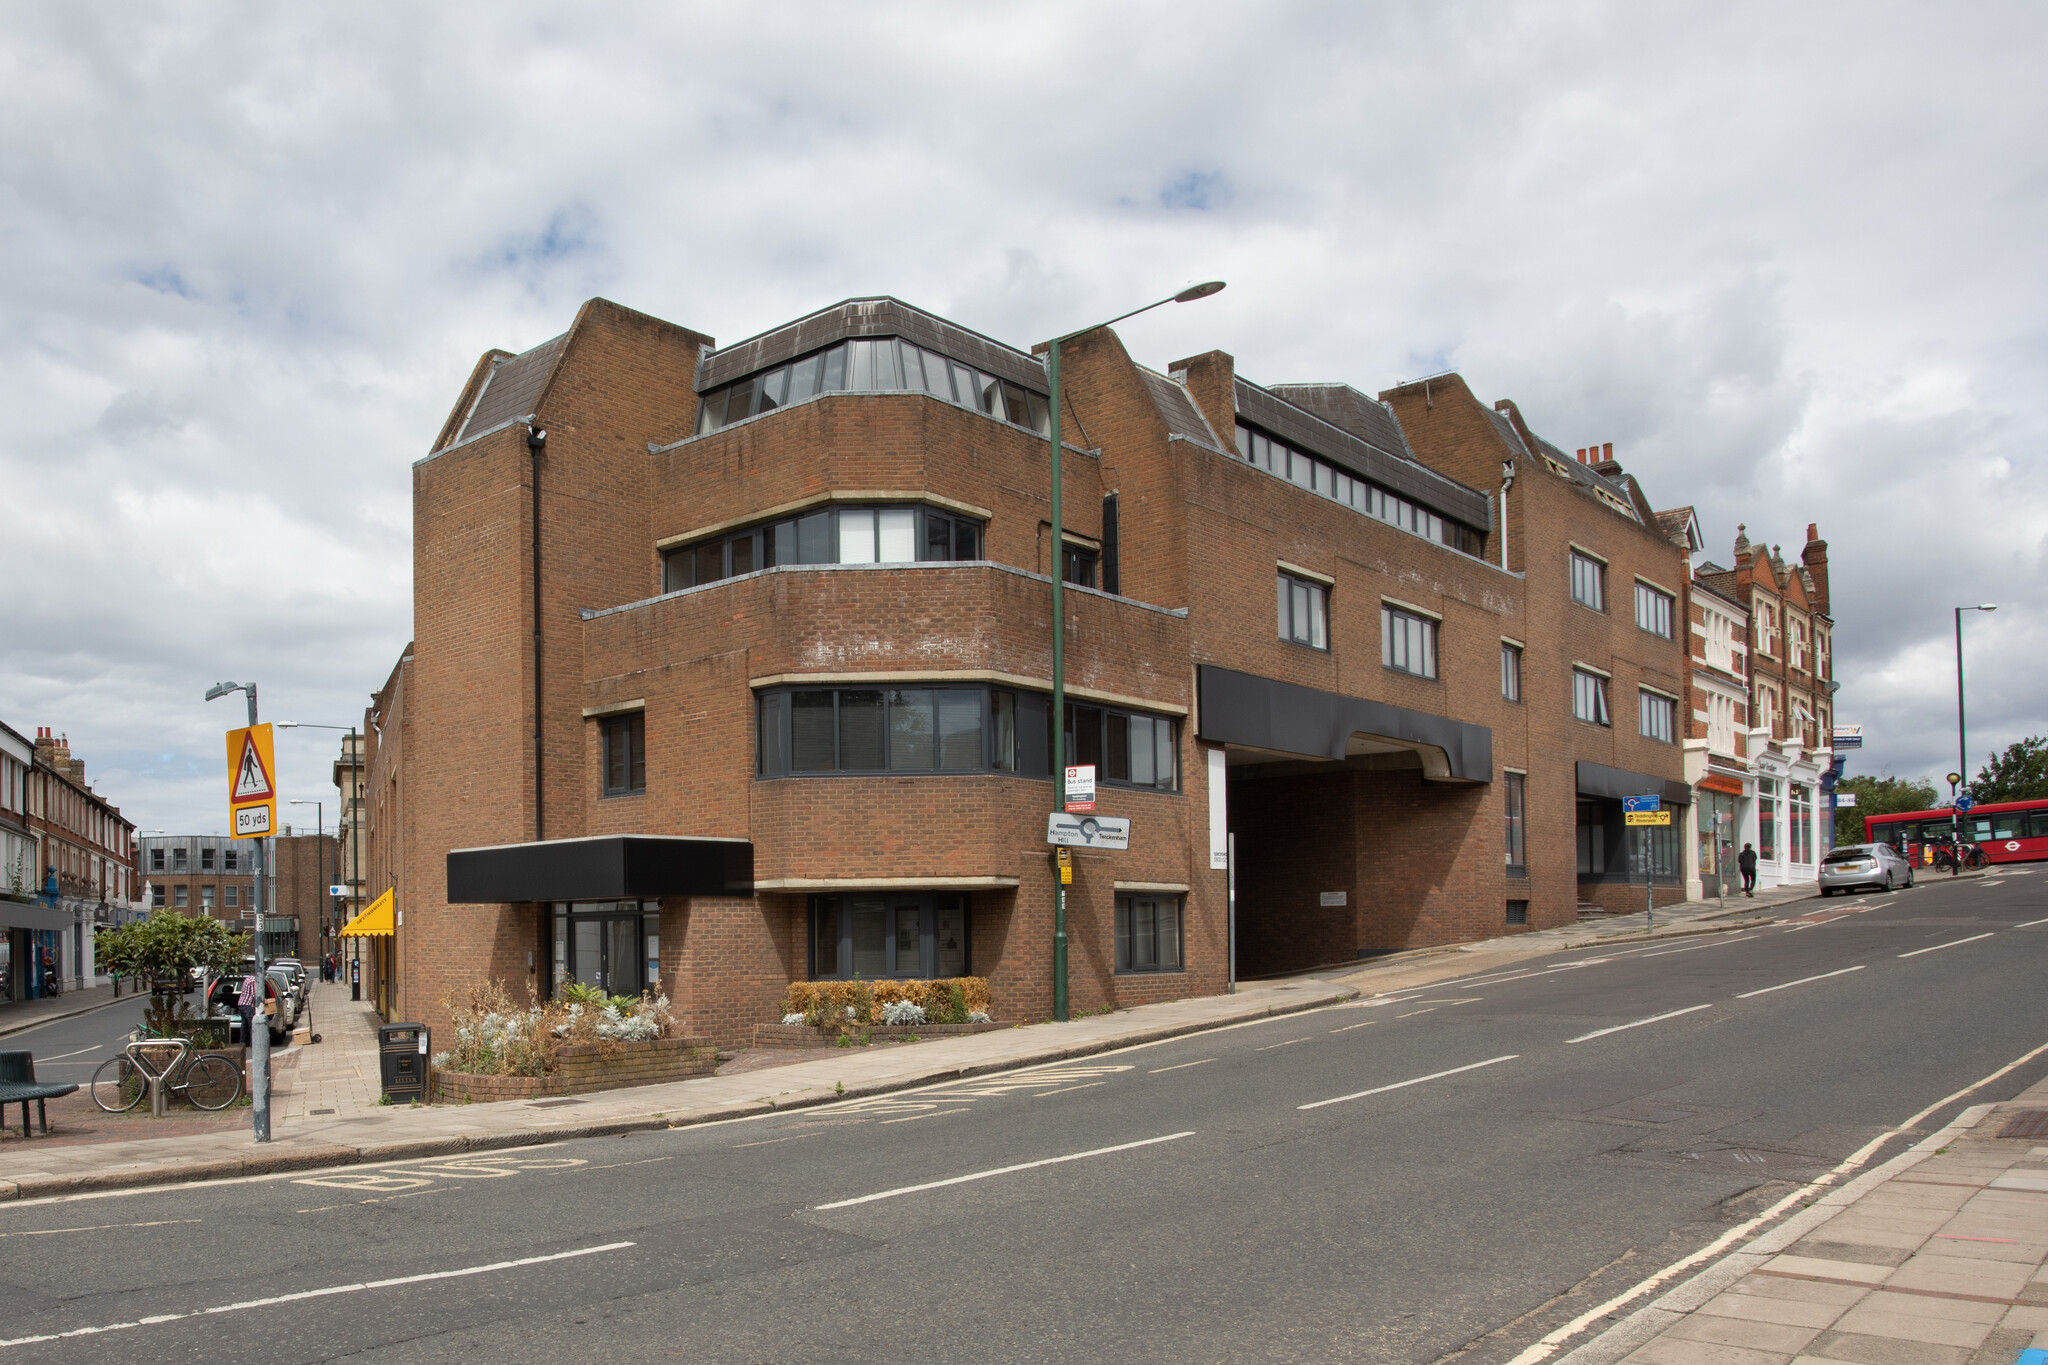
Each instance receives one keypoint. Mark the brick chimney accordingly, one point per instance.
(1815, 557)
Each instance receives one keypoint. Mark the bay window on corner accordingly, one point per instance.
(829, 535)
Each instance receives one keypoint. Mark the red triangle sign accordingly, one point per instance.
(251, 782)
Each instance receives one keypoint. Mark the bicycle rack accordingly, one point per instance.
(151, 1075)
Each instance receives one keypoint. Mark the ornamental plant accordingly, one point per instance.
(168, 945)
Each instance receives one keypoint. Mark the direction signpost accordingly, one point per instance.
(252, 814)
(1639, 811)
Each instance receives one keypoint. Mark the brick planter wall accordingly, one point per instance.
(803, 1035)
(583, 1067)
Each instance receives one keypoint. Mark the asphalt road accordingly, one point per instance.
(1444, 1175)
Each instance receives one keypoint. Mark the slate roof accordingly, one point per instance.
(1358, 413)
(872, 317)
(512, 388)
(1386, 461)
(1177, 409)
(1511, 438)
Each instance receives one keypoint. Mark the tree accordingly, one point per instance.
(168, 945)
(2018, 774)
(1878, 796)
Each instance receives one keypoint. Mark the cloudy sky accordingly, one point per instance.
(1786, 257)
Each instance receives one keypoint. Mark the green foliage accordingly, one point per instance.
(1878, 796)
(596, 998)
(956, 1003)
(168, 945)
(2018, 774)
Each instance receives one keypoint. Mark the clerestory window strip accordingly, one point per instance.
(874, 365)
(1361, 495)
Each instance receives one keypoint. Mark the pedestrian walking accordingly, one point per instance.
(246, 1005)
(1746, 860)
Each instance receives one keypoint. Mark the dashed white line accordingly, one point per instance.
(1348, 1027)
(1668, 952)
(102, 1227)
(1602, 1033)
(1409, 1015)
(1068, 1090)
(2030, 923)
(1204, 1062)
(1292, 1041)
(1952, 943)
(1000, 1170)
(327, 1292)
(1400, 1085)
(1800, 982)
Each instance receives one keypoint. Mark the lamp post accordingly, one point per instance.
(1962, 738)
(354, 807)
(1059, 634)
(259, 1037)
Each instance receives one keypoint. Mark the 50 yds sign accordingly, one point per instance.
(252, 784)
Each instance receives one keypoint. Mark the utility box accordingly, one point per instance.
(402, 1060)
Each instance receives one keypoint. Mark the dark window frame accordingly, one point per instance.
(1589, 575)
(1132, 909)
(622, 754)
(1649, 703)
(1510, 672)
(796, 540)
(1518, 914)
(1394, 648)
(1601, 692)
(1515, 818)
(1303, 631)
(1317, 475)
(842, 949)
(1078, 564)
(1659, 602)
(886, 364)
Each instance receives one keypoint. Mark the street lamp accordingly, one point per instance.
(354, 807)
(1962, 742)
(259, 1037)
(1059, 634)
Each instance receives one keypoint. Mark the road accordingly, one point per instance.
(1444, 1175)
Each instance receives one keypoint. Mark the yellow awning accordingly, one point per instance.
(374, 922)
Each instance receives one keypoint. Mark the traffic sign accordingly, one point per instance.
(1087, 831)
(1081, 787)
(1639, 803)
(1647, 817)
(1964, 802)
(337, 891)
(252, 784)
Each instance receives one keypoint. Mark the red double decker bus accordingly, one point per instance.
(2007, 831)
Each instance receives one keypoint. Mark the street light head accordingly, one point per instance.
(1198, 291)
(1989, 606)
(219, 690)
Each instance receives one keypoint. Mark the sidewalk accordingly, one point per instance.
(1934, 1258)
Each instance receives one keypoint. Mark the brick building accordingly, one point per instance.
(1718, 738)
(732, 668)
(72, 867)
(213, 874)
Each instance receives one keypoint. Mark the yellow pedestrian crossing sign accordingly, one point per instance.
(252, 785)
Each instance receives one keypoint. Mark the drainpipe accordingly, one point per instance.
(536, 442)
(1507, 481)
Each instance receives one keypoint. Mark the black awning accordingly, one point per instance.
(1242, 708)
(609, 867)
(1597, 779)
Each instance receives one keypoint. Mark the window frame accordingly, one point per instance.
(839, 368)
(1396, 636)
(1125, 938)
(1592, 570)
(1659, 602)
(1598, 691)
(1651, 702)
(629, 728)
(1317, 611)
(1323, 478)
(1080, 565)
(1510, 671)
(929, 908)
(766, 541)
(1515, 819)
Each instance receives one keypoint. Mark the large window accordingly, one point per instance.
(881, 938)
(1802, 823)
(1767, 818)
(830, 535)
(958, 729)
(874, 365)
(1589, 697)
(1304, 612)
(1510, 671)
(1407, 642)
(1653, 610)
(1319, 476)
(1515, 791)
(1589, 581)
(1592, 833)
(1148, 937)
(624, 739)
(1657, 713)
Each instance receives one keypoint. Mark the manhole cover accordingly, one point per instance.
(554, 1104)
(1635, 1112)
(2027, 1123)
(319, 1111)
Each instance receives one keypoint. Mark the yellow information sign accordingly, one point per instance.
(252, 782)
(1647, 817)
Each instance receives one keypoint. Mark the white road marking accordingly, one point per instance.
(1412, 1013)
(1000, 1170)
(794, 1137)
(936, 1113)
(1204, 1062)
(1292, 1041)
(2030, 923)
(1697, 946)
(1800, 982)
(1348, 1027)
(1602, 1033)
(102, 1227)
(1939, 946)
(329, 1291)
(45, 1061)
(1068, 1090)
(1402, 1085)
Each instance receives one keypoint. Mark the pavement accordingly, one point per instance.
(1934, 1258)
(326, 1108)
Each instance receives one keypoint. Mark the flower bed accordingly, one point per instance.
(804, 1035)
(583, 1067)
(948, 1000)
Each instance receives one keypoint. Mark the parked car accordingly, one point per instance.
(1874, 865)
(221, 1004)
(301, 984)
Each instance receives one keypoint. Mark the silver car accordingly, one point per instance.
(1874, 865)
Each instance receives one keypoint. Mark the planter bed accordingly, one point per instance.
(582, 1067)
(803, 1035)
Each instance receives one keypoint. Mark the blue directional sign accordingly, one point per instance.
(1632, 804)
(1964, 802)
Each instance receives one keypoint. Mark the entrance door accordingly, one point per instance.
(605, 952)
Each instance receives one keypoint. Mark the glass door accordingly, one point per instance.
(605, 951)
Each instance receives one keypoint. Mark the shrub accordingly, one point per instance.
(951, 999)
(902, 1012)
(978, 1017)
(494, 1037)
(795, 1017)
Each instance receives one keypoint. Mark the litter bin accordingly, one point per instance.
(402, 1058)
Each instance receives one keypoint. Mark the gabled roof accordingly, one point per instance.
(511, 389)
(1682, 525)
(1177, 409)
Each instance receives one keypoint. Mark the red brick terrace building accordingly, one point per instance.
(732, 668)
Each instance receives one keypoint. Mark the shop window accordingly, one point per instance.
(1592, 834)
(881, 938)
(1802, 823)
(1767, 818)
(1148, 933)
(1407, 642)
(1304, 612)
(624, 743)
(1589, 697)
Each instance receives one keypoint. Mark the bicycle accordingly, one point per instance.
(208, 1080)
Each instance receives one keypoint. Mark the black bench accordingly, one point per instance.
(18, 1084)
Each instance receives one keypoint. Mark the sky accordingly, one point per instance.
(1786, 258)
